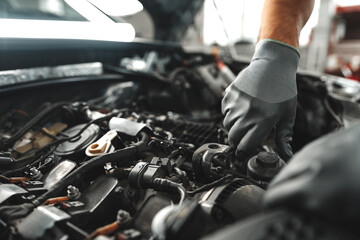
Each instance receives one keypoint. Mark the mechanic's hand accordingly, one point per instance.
(322, 180)
(263, 96)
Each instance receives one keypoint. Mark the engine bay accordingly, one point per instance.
(139, 154)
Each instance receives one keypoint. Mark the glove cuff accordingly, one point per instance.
(278, 42)
(281, 53)
(271, 75)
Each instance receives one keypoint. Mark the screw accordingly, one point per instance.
(73, 192)
(122, 216)
(35, 174)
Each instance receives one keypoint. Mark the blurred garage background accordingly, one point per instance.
(330, 41)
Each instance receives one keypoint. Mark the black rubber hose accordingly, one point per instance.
(122, 155)
(117, 156)
(11, 213)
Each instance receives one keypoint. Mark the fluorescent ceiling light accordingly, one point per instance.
(89, 11)
(345, 3)
(118, 7)
(15, 28)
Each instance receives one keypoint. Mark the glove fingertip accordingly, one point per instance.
(245, 151)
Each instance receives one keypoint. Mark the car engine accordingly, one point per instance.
(139, 151)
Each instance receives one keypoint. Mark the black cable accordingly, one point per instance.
(29, 164)
(61, 140)
(13, 212)
(48, 134)
(332, 112)
(36, 155)
(161, 182)
(122, 155)
(180, 151)
(31, 123)
(210, 185)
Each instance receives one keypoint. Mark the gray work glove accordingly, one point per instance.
(263, 96)
(322, 180)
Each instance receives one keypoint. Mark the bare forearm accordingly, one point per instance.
(283, 20)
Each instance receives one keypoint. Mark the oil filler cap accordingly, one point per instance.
(264, 166)
(75, 148)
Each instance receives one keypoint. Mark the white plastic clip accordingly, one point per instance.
(102, 145)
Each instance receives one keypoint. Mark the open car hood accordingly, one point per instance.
(172, 18)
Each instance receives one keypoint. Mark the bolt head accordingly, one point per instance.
(267, 159)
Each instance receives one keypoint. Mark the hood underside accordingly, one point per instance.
(172, 18)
